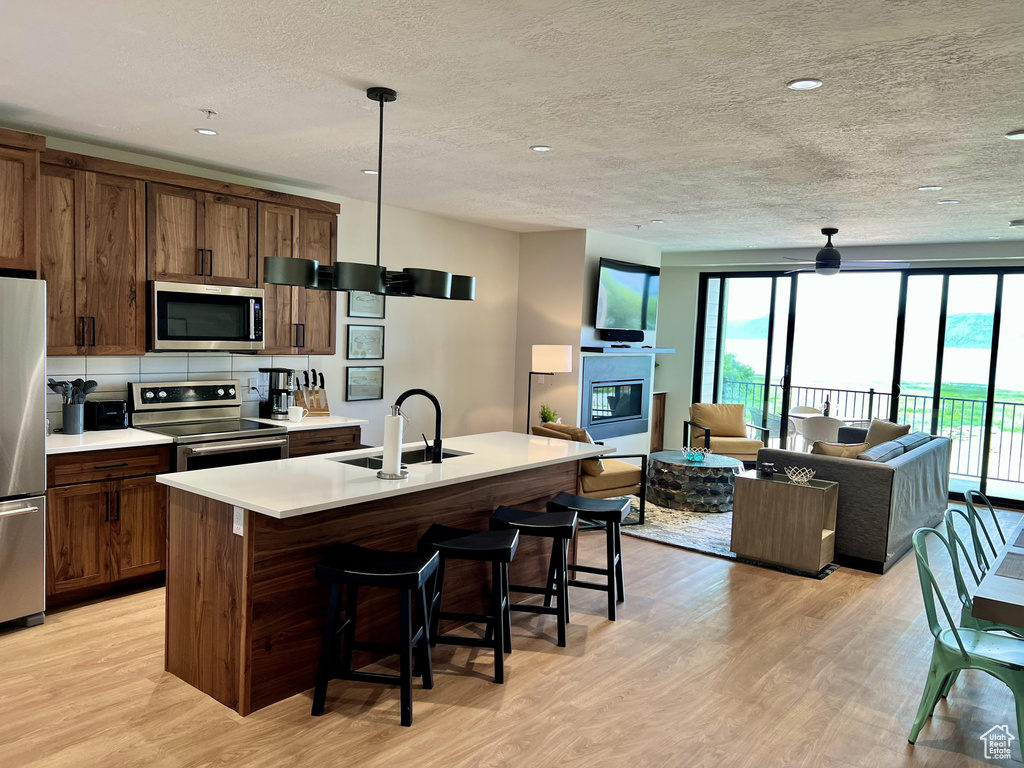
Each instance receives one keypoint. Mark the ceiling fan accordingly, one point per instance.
(828, 262)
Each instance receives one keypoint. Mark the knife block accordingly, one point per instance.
(313, 401)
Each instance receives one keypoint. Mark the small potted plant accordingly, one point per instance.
(547, 414)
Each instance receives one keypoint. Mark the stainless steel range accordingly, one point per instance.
(204, 419)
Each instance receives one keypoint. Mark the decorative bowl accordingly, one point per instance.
(697, 454)
(799, 475)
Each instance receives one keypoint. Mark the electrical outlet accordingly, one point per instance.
(541, 379)
(238, 523)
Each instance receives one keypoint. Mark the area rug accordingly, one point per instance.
(706, 532)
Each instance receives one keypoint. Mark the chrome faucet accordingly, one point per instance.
(436, 450)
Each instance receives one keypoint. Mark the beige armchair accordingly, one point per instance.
(603, 478)
(722, 427)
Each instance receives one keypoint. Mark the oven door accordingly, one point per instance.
(206, 317)
(227, 453)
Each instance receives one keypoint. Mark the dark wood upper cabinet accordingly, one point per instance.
(319, 240)
(19, 205)
(298, 320)
(92, 257)
(201, 237)
(230, 240)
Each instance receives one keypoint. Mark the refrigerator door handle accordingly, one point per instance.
(16, 512)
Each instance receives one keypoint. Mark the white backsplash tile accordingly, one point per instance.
(209, 375)
(297, 362)
(246, 363)
(65, 367)
(113, 382)
(250, 410)
(204, 363)
(163, 362)
(107, 365)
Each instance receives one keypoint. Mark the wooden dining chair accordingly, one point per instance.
(979, 528)
(956, 648)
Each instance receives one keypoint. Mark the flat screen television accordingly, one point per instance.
(627, 296)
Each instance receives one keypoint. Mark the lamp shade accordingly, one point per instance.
(552, 358)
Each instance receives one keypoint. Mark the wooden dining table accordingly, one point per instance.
(1000, 596)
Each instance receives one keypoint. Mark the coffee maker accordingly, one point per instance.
(279, 393)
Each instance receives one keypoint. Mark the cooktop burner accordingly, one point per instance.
(195, 431)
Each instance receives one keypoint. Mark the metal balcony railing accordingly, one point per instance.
(960, 419)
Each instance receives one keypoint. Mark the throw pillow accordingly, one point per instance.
(882, 452)
(883, 431)
(579, 435)
(844, 450)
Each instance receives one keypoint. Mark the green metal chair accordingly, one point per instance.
(956, 648)
(978, 524)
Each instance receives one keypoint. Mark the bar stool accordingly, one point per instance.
(355, 567)
(494, 547)
(611, 512)
(560, 528)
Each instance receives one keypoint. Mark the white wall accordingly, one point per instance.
(551, 287)
(677, 321)
(464, 352)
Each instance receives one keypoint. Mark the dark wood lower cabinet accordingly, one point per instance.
(99, 534)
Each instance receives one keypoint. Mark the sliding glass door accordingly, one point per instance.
(936, 349)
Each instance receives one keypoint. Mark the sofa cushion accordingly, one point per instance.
(883, 431)
(731, 446)
(576, 434)
(723, 419)
(913, 440)
(882, 452)
(845, 450)
(617, 474)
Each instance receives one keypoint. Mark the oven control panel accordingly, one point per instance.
(153, 396)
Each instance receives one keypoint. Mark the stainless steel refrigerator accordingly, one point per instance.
(22, 450)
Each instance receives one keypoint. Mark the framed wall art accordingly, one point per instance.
(363, 304)
(365, 342)
(364, 382)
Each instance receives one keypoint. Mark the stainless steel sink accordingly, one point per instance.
(417, 456)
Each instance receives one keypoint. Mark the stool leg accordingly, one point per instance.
(563, 591)
(425, 665)
(610, 540)
(405, 652)
(506, 610)
(495, 627)
(327, 660)
(552, 570)
(351, 598)
(620, 584)
(435, 602)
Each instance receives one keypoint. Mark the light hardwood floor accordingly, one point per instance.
(711, 663)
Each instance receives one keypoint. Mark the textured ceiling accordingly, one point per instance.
(672, 110)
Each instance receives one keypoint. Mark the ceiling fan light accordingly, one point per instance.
(278, 270)
(463, 288)
(826, 269)
(352, 276)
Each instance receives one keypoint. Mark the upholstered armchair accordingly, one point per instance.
(722, 427)
(604, 478)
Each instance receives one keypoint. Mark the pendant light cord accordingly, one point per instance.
(380, 173)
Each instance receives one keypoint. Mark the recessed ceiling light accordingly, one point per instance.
(1016, 135)
(751, 246)
(993, 237)
(804, 84)
(1017, 223)
(929, 188)
(949, 202)
(206, 131)
(657, 221)
(540, 148)
(370, 171)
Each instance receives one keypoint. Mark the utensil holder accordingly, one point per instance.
(74, 418)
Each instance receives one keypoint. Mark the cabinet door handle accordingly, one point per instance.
(81, 328)
(117, 507)
(106, 513)
(92, 321)
(202, 261)
(111, 466)
(303, 344)
(322, 442)
(210, 254)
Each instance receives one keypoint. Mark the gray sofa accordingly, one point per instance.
(882, 502)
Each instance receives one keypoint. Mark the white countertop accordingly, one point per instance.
(102, 440)
(314, 422)
(301, 486)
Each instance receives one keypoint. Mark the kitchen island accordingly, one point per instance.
(244, 610)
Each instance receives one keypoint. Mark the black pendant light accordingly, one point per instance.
(371, 278)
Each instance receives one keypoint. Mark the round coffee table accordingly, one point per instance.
(691, 486)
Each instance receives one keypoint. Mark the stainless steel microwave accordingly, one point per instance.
(194, 317)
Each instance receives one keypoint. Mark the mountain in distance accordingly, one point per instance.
(967, 330)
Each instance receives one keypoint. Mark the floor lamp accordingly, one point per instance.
(548, 359)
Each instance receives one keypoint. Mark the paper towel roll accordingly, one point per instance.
(392, 444)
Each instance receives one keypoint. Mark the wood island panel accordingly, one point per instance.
(245, 613)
